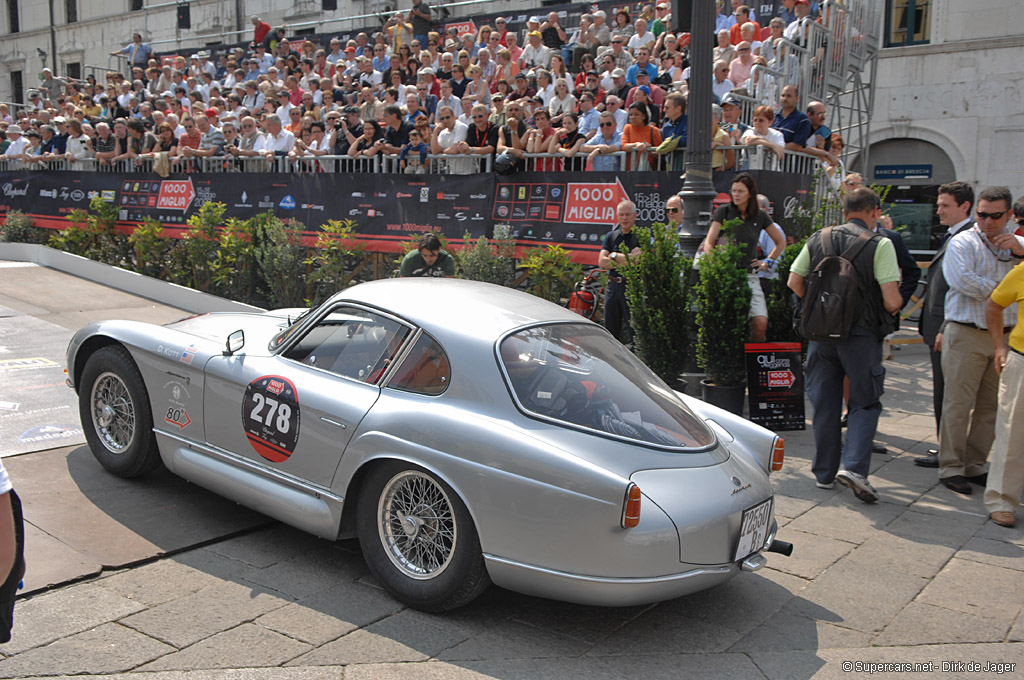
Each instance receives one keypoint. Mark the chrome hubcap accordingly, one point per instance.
(113, 414)
(417, 525)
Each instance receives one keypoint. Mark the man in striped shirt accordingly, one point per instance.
(976, 261)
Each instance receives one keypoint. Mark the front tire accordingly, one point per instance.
(418, 539)
(115, 412)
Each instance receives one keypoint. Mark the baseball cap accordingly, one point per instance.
(350, 49)
(646, 90)
(211, 113)
(662, 5)
(59, 119)
(349, 110)
(534, 33)
(284, 93)
(426, 71)
(166, 93)
(618, 73)
(730, 100)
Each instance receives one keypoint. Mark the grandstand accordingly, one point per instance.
(325, 104)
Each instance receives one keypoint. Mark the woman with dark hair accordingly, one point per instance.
(640, 136)
(365, 145)
(623, 26)
(587, 64)
(744, 206)
(569, 142)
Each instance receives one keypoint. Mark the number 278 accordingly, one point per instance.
(283, 411)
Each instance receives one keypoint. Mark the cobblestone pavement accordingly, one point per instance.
(919, 578)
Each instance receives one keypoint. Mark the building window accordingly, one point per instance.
(17, 87)
(907, 22)
(71, 11)
(12, 16)
(134, 5)
(73, 70)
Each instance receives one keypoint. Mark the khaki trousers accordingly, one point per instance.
(970, 401)
(1006, 474)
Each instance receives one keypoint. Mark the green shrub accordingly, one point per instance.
(723, 305)
(280, 260)
(336, 261)
(552, 273)
(149, 248)
(17, 228)
(233, 268)
(489, 261)
(657, 290)
(94, 234)
(194, 256)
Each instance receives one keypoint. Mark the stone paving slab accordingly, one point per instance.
(920, 576)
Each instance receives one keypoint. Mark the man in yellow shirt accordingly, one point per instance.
(1006, 471)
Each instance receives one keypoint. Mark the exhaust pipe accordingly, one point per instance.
(781, 547)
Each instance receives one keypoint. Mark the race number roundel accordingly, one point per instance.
(270, 415)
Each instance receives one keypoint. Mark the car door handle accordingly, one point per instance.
(333, 422)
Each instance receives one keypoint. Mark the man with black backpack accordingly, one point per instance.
(848, 279)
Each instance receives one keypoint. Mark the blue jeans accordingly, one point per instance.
(860, 358)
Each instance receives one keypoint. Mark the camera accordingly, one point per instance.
(339, 125)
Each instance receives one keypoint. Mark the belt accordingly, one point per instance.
(1006, 329)
(615, 279)
(1017, 351)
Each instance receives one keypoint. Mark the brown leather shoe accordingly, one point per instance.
(1003, 518)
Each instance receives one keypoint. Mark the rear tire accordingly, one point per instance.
(418, 539)
(115, 412)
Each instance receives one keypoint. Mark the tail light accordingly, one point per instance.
(778, 453)
(631, 508)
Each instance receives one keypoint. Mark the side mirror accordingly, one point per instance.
(235, 342)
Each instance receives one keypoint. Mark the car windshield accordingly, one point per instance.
(286, 332)
(579, 375)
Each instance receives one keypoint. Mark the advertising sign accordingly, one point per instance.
(775, 385)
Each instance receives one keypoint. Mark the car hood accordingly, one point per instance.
(258, 328)
(706, 504)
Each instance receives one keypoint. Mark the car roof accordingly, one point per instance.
(444, 307)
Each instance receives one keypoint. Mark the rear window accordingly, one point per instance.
(580, 376)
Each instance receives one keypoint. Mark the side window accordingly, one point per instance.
(351, 342)
(425, 370)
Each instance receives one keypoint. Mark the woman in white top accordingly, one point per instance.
(762, 135)
(562, 103)
(79, 146)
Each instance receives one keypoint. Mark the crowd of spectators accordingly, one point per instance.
(410, 91)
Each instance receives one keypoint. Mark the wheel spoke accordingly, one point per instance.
(113, 412)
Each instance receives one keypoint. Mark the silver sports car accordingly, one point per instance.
(464, 432)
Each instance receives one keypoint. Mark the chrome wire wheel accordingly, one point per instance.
(113, 413)
(417, 525)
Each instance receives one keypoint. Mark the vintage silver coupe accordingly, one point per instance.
(464, 432)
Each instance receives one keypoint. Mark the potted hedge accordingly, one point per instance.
(723, 305)
(658, 294)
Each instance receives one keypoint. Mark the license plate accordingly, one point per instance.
(753, 529)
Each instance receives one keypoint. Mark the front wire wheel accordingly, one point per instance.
(113, 414)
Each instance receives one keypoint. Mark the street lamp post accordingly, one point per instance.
(698, 190)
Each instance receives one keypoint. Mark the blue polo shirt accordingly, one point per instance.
(796, 127)
(651, 69)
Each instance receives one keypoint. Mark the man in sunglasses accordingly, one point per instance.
(976, 261)
(1006, 474)
(674, 211)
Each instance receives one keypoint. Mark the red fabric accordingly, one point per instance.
(260, 32)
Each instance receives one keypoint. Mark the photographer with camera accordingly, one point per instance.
(342, 128)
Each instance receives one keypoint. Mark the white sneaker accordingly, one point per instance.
(825, 485)
(858, 484)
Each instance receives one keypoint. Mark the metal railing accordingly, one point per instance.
(751, 157)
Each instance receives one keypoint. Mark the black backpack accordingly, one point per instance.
(833, 292)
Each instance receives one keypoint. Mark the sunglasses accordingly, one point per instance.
(446, 117)
(991, 216)
(672, 210)
(478, 116)
(607, 124)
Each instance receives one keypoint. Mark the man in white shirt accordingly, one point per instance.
(18, 142)
(284, 105)
(976, 261)
(720, 84)
(446, 138)
(277, 141)
(536, 54)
